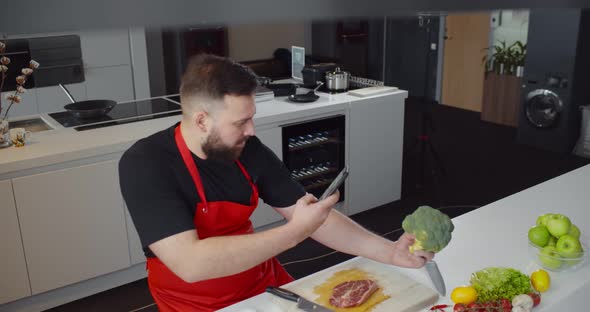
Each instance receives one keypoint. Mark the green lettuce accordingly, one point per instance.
(495, 283)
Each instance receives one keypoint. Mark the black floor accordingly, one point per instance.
(479, 163)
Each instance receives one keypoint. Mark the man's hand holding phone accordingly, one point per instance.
(310, 213)
(336, 183)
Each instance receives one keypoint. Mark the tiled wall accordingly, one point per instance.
(513, 26)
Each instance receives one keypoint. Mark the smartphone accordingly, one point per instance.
(336, 183)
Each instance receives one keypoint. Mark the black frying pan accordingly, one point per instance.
(88, 109)
(306, 97)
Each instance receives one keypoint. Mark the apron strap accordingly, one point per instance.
(246, 174)
(254, 196)
(187, 157)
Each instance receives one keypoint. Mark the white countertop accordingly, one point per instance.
(66, 144)
(496, 235)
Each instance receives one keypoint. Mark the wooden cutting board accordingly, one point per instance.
(405, 294)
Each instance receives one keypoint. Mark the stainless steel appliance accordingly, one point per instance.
(337, 80)
(316, 72)
(556, 77)
(313, 151)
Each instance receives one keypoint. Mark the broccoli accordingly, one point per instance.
(431, 227)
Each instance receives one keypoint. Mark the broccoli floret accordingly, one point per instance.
(431, 227)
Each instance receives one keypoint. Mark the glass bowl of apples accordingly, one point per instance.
(556, 244)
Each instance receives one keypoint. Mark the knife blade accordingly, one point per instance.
(436, 277)
(302, 303)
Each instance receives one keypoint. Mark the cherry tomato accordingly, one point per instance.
(536, 298)
(459, 307)
(474, 306)
(488, 306)
(505, 304)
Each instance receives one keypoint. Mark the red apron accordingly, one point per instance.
(213, 219)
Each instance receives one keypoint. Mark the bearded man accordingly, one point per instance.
(191, 189)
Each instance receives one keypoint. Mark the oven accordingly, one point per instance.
(313, 151)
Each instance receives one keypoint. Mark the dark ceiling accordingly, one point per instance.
(34, 16)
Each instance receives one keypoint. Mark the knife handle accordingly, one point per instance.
(283, 293)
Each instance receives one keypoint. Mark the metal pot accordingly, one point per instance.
(337, 80)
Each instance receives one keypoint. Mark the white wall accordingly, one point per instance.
(248, 42)
(513, 27)
(115, 67)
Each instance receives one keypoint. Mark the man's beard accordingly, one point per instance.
(215, 149)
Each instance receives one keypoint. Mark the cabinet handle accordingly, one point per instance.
(59, 66)
(353, 36)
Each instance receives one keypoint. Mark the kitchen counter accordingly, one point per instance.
(66, 144)
(496, 235)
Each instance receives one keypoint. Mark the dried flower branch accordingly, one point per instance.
(20, 80)
(33, 64)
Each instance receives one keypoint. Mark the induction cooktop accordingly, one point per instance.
(123, 113)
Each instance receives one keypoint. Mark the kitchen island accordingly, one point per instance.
(63, 222)
(493, 235)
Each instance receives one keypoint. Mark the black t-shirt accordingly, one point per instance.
(161, 195)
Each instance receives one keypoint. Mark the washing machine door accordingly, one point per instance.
(543, 108)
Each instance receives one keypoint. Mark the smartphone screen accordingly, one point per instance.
(336, 183)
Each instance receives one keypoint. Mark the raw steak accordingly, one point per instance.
(352, 293)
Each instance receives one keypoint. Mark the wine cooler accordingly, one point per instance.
(313, 151)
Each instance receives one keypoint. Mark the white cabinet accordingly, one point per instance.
(103, 47)
(375, 152)
(14, 282)
(264, 214)
(72, 224)
(135, 249)
(113, 83)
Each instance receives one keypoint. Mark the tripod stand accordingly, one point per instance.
(427, 155)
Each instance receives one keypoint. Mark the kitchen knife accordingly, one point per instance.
(436, 277)
(302, 303)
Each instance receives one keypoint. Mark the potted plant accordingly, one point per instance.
(15, 97)
(519, 55)
(501, 94)
(506, 59)
(499, 58)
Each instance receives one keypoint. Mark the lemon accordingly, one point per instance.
(540, 280)
(464, 294)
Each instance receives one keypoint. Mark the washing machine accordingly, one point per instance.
(556, 78)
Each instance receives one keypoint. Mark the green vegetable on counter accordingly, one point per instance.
(495, 283)
(431, 228)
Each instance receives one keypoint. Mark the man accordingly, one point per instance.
(191, 189)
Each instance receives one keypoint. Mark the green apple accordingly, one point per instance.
(552, 241)
(550, 258)
(568, 246)
(574, 231)
(558, 225)
(539, 235)
(542, 219)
